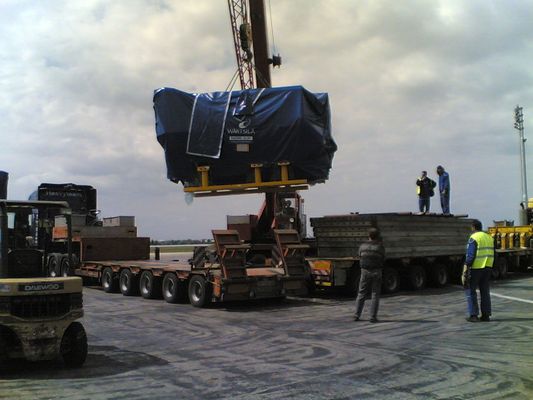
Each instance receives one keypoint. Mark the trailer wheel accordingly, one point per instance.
(149, 285)
(129, 285)
(352, 281)
(74, 345)
(416, 277)
(174, 289)
(3, 348)
(109, 281)
(495, 272)
(438, 275)
(503, 267)
(200, 291)
(75, 260)
(524, 262)
(54, 265)
(390, 282)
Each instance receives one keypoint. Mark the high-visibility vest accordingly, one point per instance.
(418, 188)
(485, 250)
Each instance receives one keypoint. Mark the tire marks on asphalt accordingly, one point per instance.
(300, 349)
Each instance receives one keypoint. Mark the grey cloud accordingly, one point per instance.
(412, 85)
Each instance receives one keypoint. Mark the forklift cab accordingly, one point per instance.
(23, 254)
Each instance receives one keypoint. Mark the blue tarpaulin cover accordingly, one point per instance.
(229, 131)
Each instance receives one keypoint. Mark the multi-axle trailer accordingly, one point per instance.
(420, 249)
(231, 271)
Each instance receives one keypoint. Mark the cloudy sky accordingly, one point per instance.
(412, 84)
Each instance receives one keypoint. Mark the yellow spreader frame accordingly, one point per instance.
(257, 186)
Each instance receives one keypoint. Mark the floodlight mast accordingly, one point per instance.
(519, 126)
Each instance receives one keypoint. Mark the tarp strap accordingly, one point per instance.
(220, 137)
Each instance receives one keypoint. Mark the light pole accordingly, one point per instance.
(519, 125)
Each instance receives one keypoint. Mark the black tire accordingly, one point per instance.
(150, 286)
(109, 281)
(353, 276)
(495, 273)
(174, 289)
(75, 261)
(74, 345)
(438, 275)
(65, 266)
(128, 283)
(503, 267)
(200, 291)
(416, 277)
(54, 265)
(524, 263)
(456, 271)
(311, 286)
(390, 281)
(3, 349)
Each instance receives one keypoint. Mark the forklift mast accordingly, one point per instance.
(21, 254)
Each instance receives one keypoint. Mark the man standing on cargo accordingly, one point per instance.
(477, 271)
(371, 259)
(444, 189)
(425, 186)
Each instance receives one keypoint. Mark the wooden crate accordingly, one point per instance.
(121, 220)
(123, 248)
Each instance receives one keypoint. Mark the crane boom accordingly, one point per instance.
(250, 41)
(242, 40)
(260, 43)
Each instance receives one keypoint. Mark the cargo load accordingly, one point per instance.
(231, 131)
(404, 235)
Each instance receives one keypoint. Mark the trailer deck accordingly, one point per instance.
(93, 268)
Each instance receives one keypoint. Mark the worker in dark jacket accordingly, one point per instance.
(444, 189)
(425, 186)
(371, 259)
(477, 271)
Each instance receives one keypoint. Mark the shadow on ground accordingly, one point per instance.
(101, 361)
(264, 304)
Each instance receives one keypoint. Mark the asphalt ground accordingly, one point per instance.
(300, 348)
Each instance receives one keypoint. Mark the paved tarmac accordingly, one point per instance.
(295, 349)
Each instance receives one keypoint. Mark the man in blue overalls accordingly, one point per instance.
(444, 189)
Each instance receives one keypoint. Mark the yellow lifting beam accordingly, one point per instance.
(257, 186)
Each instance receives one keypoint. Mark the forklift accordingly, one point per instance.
(37, 313)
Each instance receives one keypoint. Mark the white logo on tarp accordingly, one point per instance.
(244, 124)
(243, 132)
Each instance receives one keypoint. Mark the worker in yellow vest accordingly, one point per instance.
(476, 272)
(424, 189)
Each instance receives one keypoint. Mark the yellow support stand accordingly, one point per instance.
(504, 242)
(284, 166)
(524, 239)
(257, 173)
(204, 175)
